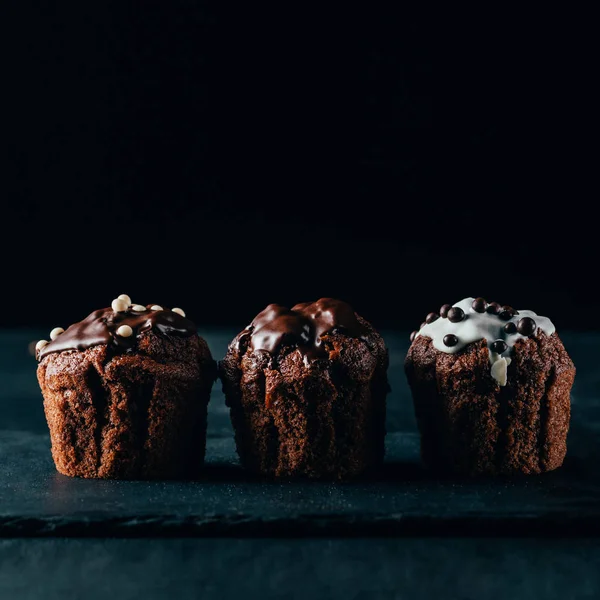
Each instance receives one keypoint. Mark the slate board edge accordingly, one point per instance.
(548, 525)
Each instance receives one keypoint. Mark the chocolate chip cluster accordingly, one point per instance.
(525, 326)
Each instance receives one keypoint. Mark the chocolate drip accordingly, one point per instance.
(100, 327)
(303, 325)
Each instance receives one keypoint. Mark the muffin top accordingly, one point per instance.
(303, 326)
(117, 327)
(307, 340)
(472, 320)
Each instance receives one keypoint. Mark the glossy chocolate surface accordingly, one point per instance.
(100, 327)
(303, 325)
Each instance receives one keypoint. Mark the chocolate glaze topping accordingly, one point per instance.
(100, 327)
(303, 325)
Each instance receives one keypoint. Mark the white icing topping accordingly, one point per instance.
(482, 326)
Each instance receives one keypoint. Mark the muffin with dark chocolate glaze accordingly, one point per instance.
(126, 393)
(306, 388)
(491, 388)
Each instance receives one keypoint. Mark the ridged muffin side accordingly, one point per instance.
(134, 414)
(296, 416)
(470, 424)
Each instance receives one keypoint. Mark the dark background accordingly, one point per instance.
(220, 159)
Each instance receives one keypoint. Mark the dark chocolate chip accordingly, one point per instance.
(422, 325)
(479, 305)
(450, 340)
(431, 317)
(526, 326)
(456, 314)
(493, 308)
(507, 313)
(499, 346)
(413, 335)
(444, 310)
(510, 328)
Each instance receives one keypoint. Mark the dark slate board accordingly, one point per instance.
(402, 499)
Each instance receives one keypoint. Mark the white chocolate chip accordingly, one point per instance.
(125, 297)
(499, 371)
(56, 332)
(156, 307)
(124, 331)
(40, 345)
(179, 311)
(138, 308)
(119, 305)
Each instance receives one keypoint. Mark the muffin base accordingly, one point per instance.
(298, 418)
(470, 425)
(127, 416)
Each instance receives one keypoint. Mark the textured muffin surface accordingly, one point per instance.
(471, 423)
(129, 412)
(313, 407)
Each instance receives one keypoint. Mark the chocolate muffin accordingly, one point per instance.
(306, 388)
(491, 388)
(126, 392)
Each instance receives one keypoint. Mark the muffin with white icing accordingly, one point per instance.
(491, 387)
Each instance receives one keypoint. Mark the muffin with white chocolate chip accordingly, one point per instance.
(126, 392)
(491, 388)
